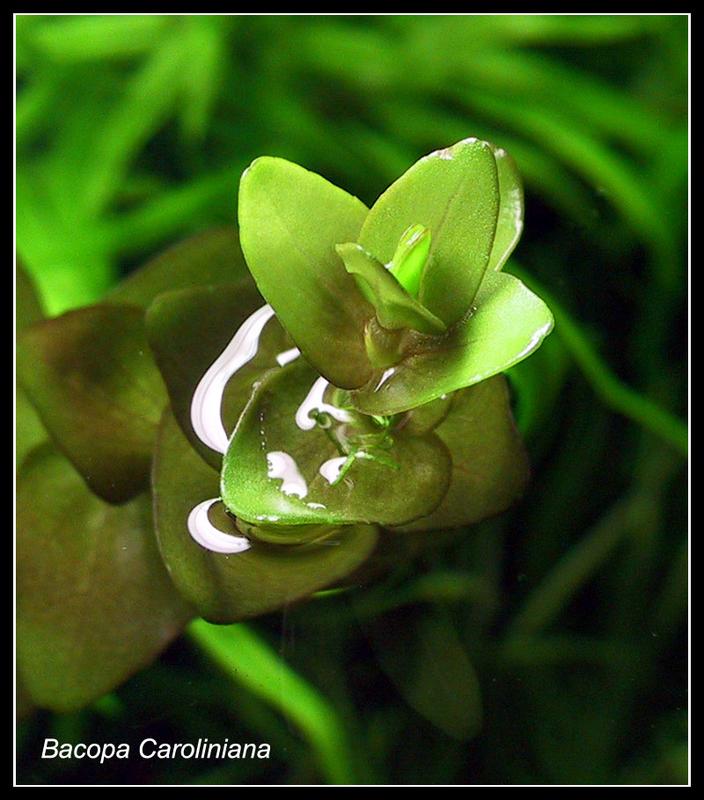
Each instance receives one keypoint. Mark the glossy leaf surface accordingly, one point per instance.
(272, 470)
(228, 588)
(290, 221)
(489, 463)
(94, 602)
(395, 308)
(509, 224)
(211, 257)
(455, 194)
(509, 323)
(91, 376)
(189, 329)
(410, 258)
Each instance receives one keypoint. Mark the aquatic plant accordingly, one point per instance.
(274, 450)
(545, 645)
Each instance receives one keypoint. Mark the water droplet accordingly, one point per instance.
(268, 518)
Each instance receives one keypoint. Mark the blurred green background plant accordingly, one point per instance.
(561, 625)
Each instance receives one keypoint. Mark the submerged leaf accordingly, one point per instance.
(28, 307)
(489, 463)
(509, 323)
(211, 257)
(90, 375)
(228, 588)
(428, 416)
(290, 221)
(94, 602)
(284, 467)
(24, 704)
(189, 329)
(422, 654)
(454, 193)
(29, 430)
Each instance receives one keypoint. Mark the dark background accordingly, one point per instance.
(570, 609)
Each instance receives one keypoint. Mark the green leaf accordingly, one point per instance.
(410, 258)
(76, 39)
(489, 463)
(94, 602)
(423, 656)
(272, 469)
(148, 98)
(29, 430)
(428, 416)
(247, 659)
(509, 224)
(90, 375)
(206, 39)
(290, 221)
(23, 701)
(395, 308)
(509, 323)
(228, 588)
(454, 193)
(189, 329)
(28, 307)
(211, 257)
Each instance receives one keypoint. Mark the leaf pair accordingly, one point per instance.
(94, 601)
(319, 258)
(445, 464)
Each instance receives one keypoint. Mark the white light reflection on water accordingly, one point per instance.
(206, 404)
(385, 377)
(207, 535)
(314, 402)
(330, 469)
(288, 356)
(281, 466)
